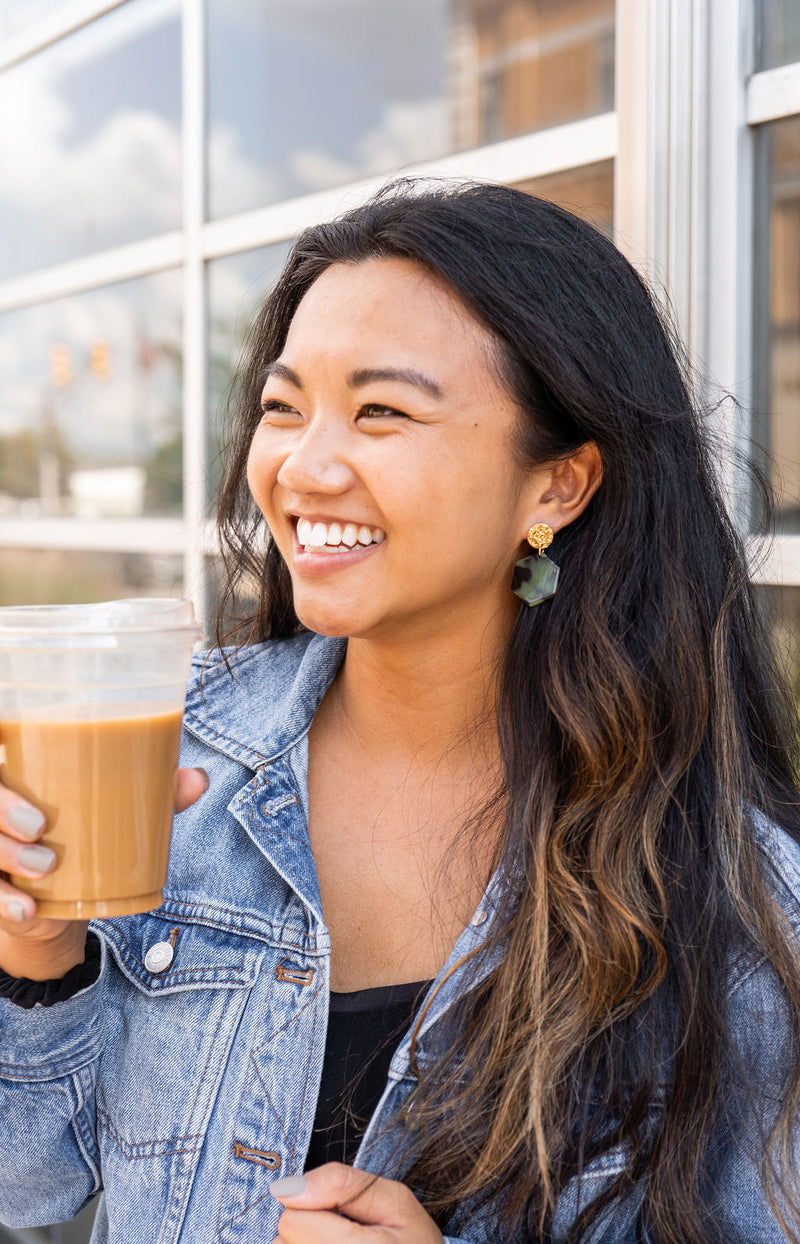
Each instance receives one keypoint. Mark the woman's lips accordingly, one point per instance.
(324, 561)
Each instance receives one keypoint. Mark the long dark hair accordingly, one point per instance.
(643, 729)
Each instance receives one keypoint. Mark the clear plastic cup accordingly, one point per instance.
(91, 700)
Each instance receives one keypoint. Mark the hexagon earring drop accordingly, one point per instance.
(536, 577)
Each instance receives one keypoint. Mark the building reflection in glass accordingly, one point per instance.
(237, 285)
(63, 577)
(777, 315)
(318, 93)
(587, 191)
(90, 403)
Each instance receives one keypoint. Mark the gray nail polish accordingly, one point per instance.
(25, 820)
(38, 859)
(292, 1185)
(15, 910)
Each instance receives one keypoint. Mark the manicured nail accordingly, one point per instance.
(15, 910)
(25, 820)
(292, 1185)
(37, 859)
(206, 778)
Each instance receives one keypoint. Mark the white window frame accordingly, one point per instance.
(558, 149)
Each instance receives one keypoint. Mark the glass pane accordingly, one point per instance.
(90, 147)
(16, 15)
(783, 606)
(777, 314)
(778, 33)
(587, 191)
(246, 605)
(236, 286)
(90, 403)
(317, 93)
(59, 577)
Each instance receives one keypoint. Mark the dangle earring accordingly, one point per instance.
(536, 577)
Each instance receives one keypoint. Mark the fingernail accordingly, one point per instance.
(25, 820)
(206, 778)
(15, 910)
(292, 1185)
(38, 859)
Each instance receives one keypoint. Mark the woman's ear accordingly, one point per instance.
(568, 487)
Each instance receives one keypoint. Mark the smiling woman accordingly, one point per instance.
(485, 929)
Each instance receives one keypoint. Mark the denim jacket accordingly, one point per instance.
(183, 1092)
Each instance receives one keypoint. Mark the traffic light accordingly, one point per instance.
(60, 366)
(100, 360)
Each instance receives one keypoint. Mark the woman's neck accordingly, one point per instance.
(435, 700)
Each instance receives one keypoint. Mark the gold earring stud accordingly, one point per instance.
(540, 536)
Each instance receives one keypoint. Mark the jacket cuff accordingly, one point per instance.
(42, 1043)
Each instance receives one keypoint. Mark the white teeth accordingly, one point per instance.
(318, 536)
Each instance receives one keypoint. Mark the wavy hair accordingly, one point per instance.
(644, 729)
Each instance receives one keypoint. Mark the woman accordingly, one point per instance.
(553, 829)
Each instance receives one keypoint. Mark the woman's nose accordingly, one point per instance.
(316, 464)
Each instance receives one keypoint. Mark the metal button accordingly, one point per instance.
(480, 917)
(158, 957)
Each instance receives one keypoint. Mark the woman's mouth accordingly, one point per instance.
(336, 537)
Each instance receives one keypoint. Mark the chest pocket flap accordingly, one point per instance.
(162, 955)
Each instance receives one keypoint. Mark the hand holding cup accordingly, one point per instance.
(31, 945)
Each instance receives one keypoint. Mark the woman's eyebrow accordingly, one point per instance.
(282, 372)
(406, 375)
(362, 376)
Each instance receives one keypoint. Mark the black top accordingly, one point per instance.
(27, 993)
(364, 1029)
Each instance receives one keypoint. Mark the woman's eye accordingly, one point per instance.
(273, 406)
(372, 410)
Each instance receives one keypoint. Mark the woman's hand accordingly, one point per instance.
(30, 945)
(337, 1204)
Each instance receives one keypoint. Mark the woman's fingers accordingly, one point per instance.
(190, 784)
(337, 1204)
(19, 818)
(16, 908)
(28, 859)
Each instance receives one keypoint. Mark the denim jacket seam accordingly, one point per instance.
(241, 967)
(85, 1138)
(41, 1073)
(292, 1146)
(207, 673)
(198, 727)
(272, 939)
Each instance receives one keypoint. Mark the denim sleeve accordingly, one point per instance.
(767, 1048)
(49, 1159)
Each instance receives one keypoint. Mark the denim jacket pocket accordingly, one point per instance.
(171, 1020)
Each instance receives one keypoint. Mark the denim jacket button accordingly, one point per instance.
(158, 957)
(479, 918)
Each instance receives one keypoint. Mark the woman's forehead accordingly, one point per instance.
(393, 306)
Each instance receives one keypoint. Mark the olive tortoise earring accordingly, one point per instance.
(536, 578)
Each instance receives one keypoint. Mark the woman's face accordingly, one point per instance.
(383, 464)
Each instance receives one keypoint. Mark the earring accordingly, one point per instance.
(536, 578)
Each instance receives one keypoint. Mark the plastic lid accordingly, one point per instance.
(144, 615)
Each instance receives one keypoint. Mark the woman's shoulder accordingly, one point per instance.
(781, 853)
(756, 994)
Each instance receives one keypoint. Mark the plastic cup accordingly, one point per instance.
(91, 699)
